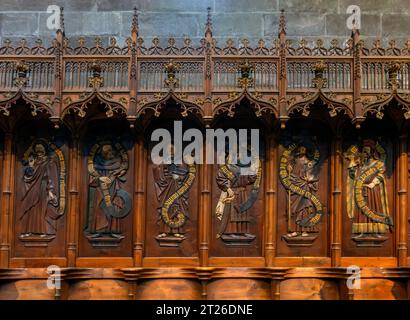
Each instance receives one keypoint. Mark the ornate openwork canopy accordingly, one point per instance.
(281, 78)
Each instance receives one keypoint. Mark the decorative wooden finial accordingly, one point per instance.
(22, 69)
(134, 26)
(245, 69)
(208, 30)
(171, 69)
(282, 22)
(393, 70)
(62, 27)
(319, 69)
(96, 80)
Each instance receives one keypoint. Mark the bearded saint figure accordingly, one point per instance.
(238, 194)
(39, 202)
(367, 203)
(301, 207)
(109, 203)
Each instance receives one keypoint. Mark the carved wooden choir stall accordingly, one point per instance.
(81, 193)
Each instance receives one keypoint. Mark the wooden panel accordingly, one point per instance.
(171, 217)
(381, 154)
(169, 289)
(239, 289)
(309, 289)
(237, 232)
(26, 290)
(105, 223)
(380, 289)
(304, 156)
(101, 289)
(41, 191)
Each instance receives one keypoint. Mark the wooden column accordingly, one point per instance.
(7, 200)
(140, 171)
(205, 203)
(270, 176)
(205, 175)
(337, 201)
(74, 205)
(402, 221)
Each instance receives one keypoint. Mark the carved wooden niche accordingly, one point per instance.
(303, 189)
(107, 190)
(171, 222)
(368, 190)
(41, 190)
(238, 193)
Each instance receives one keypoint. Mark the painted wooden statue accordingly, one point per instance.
(238, 195)
(43, 200)
(108, 201)
(298, 174)
(367, 203)
(172, 185)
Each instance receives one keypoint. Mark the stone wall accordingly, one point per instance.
(253, 19)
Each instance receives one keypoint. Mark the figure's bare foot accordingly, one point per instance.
(25, 235)
(292, 234)
(305, 234)
(95, 235)
(178, 235)
(43, 235)
(162, 235)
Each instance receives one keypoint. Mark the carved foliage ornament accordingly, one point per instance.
(160, 100)
(333, 105)
(259, 105)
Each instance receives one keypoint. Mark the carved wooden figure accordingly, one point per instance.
(366, 194)
(108, 202)
(304, 209)
(172, 185)
(238, 194)
(44, 196)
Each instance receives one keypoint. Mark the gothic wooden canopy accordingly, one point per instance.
(325, 113)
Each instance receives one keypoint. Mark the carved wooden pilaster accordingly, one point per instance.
(402, 202)
(270, 176)
(139, 201)
(7, 199)
(131, 275)
(336, 201)
(74, 166)
(277, 275)
(205, 212)
(205, 170)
